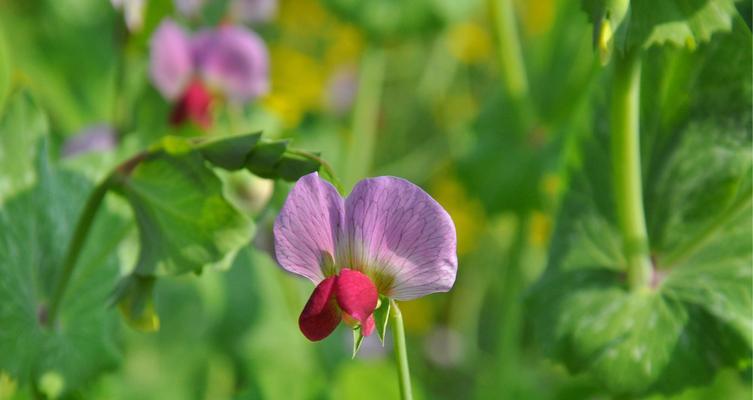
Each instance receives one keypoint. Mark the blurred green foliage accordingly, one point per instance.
(525, 178)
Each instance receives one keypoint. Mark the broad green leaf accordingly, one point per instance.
(683, 23)
(263, 158)
(229, 153)
(696, 316)
(184, 225)
(37, 225)
(21, 125)
(184, 221)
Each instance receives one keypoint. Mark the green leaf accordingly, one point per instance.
(21, 125)
(184, 221)
(184, 225)
(382, 317)
(229, 152)
(37, 225)
(682, 23)
(696, 318)
(264, 157)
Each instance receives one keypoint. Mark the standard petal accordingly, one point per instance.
(400, 236)
(170, 61)
(307, 228)
(320, 316)
(356, 295)
(234, 60)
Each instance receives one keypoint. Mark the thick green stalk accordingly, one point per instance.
(74, 248)
(510, 55)
(626, 167)
(401, 352)
(363, 135)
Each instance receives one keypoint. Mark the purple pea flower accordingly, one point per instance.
(227, 61)
(388, 237)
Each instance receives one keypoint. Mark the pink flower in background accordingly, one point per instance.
(387, 237)
(93, 138)
(253, 11)
(228, 61)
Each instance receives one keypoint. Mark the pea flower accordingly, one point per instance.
(229, 62)
(388, 237)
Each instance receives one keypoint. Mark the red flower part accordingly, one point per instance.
(193, 106)
(350, 293)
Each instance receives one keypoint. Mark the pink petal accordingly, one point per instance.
(356, 294)
(234, 60)
(367, 327)
(307, 228)
(170, 63)
(399, 234)
(320, 316)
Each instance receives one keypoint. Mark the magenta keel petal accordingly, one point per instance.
(396, 230)
(170, 63)
(356, 294)
(321, 315)
(307, 228)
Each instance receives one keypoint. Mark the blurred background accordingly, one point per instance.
(480, 103)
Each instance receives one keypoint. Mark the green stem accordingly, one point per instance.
(510, 55)
(363, 136)
(74, 248)
(401, 352)
(626, 167)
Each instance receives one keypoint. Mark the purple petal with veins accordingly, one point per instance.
(307, 227)
(388, 228)
(233, 60)
(394, 229)
(171, 60)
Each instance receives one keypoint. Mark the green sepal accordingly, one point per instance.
(292, 166)
(263, 159)
(357, 340)
(134, 297)
(382, 317)
(229, 152)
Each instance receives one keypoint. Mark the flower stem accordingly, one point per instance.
(363, 134)
(74, 248)
(401, 352)
(510, 55)
(626, 167)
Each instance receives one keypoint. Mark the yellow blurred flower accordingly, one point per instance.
(469, 42)
(468, 213)
(541, 229)
(537, 16)
(297, 84)
(344, 47)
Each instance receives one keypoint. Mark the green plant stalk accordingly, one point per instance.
(74, 248)
(401, 352)
(360, 152)
(626, 167)
(511, 63)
